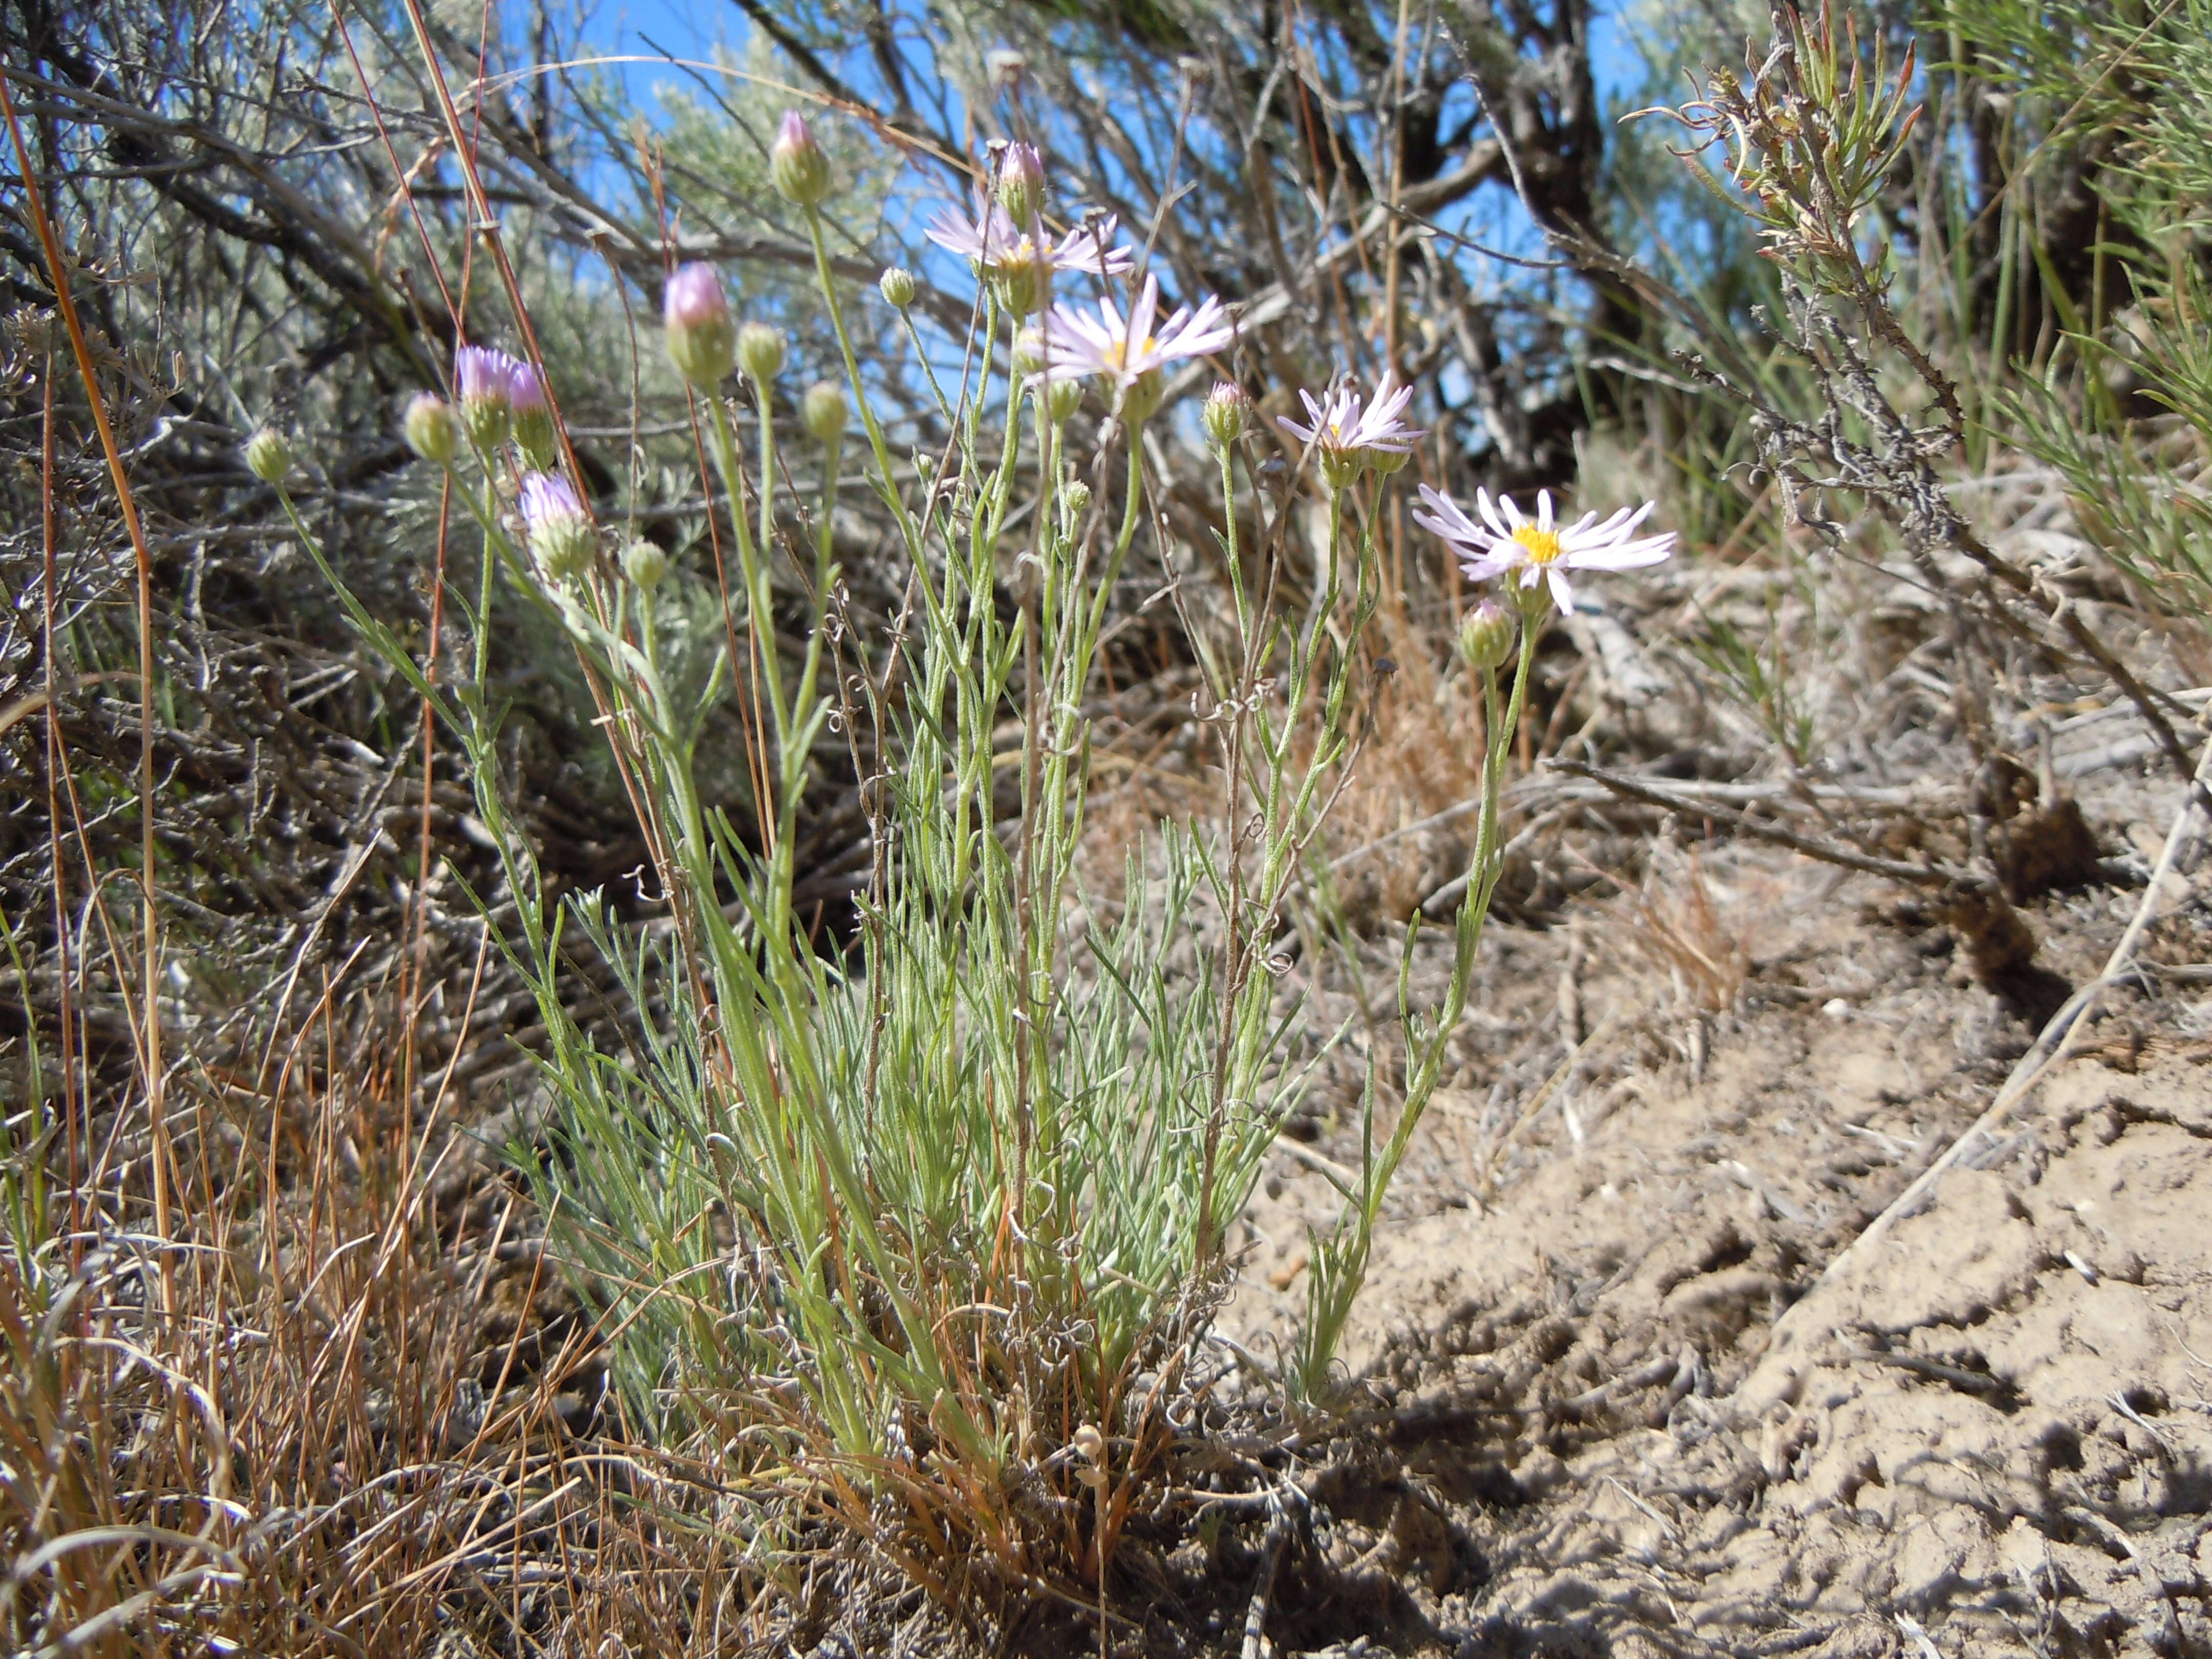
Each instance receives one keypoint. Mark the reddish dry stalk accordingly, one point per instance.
(151, 1055)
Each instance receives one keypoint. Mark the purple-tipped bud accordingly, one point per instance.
(1486, 636)
(429, 425)
(702, 341)
(1021, 184)
(485, 379)
(559, 531)
(1224, 414)
(534, 433)
(796, 164)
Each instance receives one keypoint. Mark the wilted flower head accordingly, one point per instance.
(796, 166)
(1131, 353)
(533, 417)
(702, 341)
(429, 426)
(1020, 264)
(1537, 549)
(485, 379)
(1349, 437)
(559, 531)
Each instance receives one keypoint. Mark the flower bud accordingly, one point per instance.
(485, 381)
(1090, 1445)
(1061, 399)
(898, 285)
(796, 164)
(1077, 495)
(1485, 636)
(268, 456)
(760, 351)
(821, 411)
(1224, 413)
(560, 533)
(1021, 184)
(533, 419)
(429, 425)
(702, 342)
(644, 563)
(1028, 353)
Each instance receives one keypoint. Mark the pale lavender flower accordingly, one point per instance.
(534, 432)
(1021, 264)
(1132, 353)
(483, 379)
(1351, 434)
(1508, 543)
(559, 530)
(1021, 183)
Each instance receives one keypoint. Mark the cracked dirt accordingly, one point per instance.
(1625, 1413)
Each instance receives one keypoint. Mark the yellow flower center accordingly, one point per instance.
(1543, 545)
(1121, 351)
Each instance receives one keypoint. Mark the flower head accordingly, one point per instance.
(559, 530)
(898, 286)
(1352, 435)
(268, 455)
(429, 425)
(822, 411)
(1020, 263)
(533, 416)
(1224, 414)
(484, 378)
(796, 166)
(760, 351)
(1538, 550)
(702, 341)
(1132, 353)
(1021, 183)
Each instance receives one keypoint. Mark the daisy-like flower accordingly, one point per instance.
(1020, 263)
(1350, 437)
(1132, 353)
(1538, 550)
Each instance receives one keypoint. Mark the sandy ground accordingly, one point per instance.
(1624, 1411)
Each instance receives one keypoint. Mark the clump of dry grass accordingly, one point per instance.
(338, 1423)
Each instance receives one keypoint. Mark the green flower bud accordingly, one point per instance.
(899, 286)
(268, 456)
(534, 433)
(1077, 495)
(1028, 353)
(796, 164)
(1224, 413)
(821, 411)
(429, 425)
(1486, 636)
(1384, 462)
(1061, 399)
(760, 351)
(644, 563)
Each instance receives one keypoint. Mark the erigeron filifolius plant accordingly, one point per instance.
(929, 1228)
